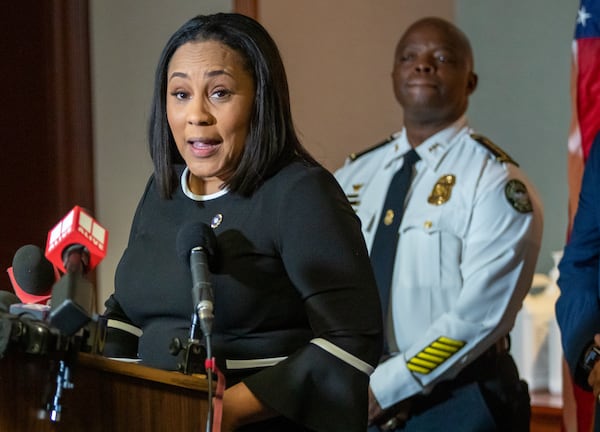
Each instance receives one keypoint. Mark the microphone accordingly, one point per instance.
(77, 233)
(75, 245)
(196, 246)
(32, 275)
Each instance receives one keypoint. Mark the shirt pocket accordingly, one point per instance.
(433, 240)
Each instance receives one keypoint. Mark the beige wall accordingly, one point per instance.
(522, 101)
(338, 56)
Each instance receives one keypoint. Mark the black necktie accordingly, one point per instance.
(383, 251)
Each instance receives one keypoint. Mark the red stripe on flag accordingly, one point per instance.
(588, 91)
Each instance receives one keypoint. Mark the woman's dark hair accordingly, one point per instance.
(272, 141)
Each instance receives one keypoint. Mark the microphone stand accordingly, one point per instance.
(202, 317)
(191, 352)
(63, 382)
(68, 318)
(202, 320)
(203, 297)
(204, 313)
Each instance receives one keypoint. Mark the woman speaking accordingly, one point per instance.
(297, 327)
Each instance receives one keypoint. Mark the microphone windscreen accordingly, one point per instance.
(194, 235)
(6, 299)
(32, 271)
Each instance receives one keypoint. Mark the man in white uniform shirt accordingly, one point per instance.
(467, 245)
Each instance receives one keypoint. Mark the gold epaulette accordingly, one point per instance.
(501, 155)
(354, 156)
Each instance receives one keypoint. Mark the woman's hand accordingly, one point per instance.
(391, 418)
(240, 407)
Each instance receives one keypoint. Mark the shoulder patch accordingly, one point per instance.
(501, 155)
(354, 156)
(517, 196)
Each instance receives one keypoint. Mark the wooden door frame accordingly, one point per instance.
(69, 86)
(246, 7)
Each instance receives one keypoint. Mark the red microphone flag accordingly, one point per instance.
(77, 227)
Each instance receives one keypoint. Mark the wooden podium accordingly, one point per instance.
(107, 396)
(114, 396)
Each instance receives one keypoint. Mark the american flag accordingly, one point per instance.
(585, 95)
(585, 124)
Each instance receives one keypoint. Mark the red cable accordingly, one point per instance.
(211, 366)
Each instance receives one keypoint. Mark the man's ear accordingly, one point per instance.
(472, 82)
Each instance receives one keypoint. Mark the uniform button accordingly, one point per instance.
(428, 224)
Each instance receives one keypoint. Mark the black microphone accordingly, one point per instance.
(32, 276)
(33, 273)
(71, 302)
(196, 245)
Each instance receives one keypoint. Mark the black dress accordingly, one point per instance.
(291, 268)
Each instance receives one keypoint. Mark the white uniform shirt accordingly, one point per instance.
(463, 264)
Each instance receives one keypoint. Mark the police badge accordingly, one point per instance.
(442, 190)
